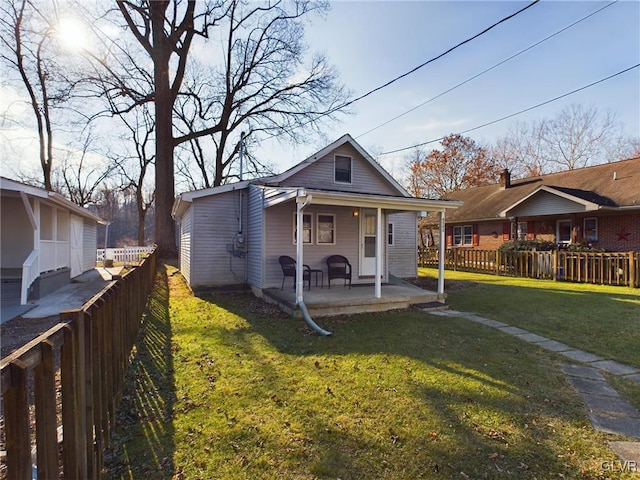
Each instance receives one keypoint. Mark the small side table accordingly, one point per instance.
(317, 271)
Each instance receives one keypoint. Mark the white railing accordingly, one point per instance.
(122, 254)
(30, 272)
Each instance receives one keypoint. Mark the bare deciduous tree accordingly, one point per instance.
(259, 84)
(81, 172)
(576, 137)
(27, 34)
(134, 165)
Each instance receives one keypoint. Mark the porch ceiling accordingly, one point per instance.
(277, 196)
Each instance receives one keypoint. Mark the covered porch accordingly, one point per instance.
(379, 292)
(341, 300)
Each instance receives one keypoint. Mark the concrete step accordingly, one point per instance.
(431, 306)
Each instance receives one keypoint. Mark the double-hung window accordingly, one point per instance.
(522, 230)
(463, 235)
(326, 229)
(307, 228)
(591, 229)
(342, 169)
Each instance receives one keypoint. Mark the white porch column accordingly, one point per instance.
(379, 255)
(441, 252)
(301, 201)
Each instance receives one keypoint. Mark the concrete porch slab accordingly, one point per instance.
(325, 302)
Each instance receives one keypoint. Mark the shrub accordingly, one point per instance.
(527, 246)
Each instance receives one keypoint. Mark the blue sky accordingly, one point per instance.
(372, 42)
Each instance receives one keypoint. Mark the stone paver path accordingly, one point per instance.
(608, 411)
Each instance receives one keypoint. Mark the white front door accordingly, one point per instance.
(368, 243)
(75, 246)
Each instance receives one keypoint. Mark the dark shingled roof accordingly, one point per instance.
(594, 184)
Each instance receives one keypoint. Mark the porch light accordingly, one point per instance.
(356, 213)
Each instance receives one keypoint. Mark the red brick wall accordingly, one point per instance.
(619, 233)
(616, 232)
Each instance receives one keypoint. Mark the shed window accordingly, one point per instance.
(326, 229)
(307, 226)
(342, 170)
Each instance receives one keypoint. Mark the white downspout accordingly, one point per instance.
(302, 200)
(379, 265)
(441, 252)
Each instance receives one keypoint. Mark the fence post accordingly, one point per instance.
(632, 270)
(45, 401)
(498, 262)
(17, 424)
(555, 265)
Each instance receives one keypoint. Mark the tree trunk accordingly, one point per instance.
(165, 190)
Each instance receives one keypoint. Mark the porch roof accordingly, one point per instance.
(277, 195)
(20, 189)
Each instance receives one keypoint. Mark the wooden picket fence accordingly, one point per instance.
(621, 268)
(92, 346)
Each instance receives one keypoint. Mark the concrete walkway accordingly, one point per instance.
(608, 411)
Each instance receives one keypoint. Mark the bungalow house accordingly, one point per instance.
(46, 241)
(598, 206)
(337, 201)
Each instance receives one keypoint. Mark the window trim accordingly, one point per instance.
(584, 229)
(294, 225)
(335, 171)
(333, 229)
(462, 235)
(391, 234)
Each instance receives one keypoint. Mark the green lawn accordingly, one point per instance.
(224, 387)
(600, 319)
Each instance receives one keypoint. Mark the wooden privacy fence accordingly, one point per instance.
(93, 347)
(585, 267)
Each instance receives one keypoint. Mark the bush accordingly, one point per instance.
(544, 246)
(527, 246)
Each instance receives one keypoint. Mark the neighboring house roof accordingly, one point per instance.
(181, 203)
(612, 186)
(8, 185)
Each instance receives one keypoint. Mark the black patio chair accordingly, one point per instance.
(288, 265)
(339, 267)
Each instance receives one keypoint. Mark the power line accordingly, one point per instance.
(413, 70)
(485, 71)
(514, 114)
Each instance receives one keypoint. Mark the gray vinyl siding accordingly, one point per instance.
(320, 174)
(89, 244)
(215, 229)
(255, 237)
(278, 228)
(545, 203)
(402, 255)
(186, 235)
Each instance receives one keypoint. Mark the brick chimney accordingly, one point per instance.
(505, 179)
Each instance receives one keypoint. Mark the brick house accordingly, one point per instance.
(598, 205)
